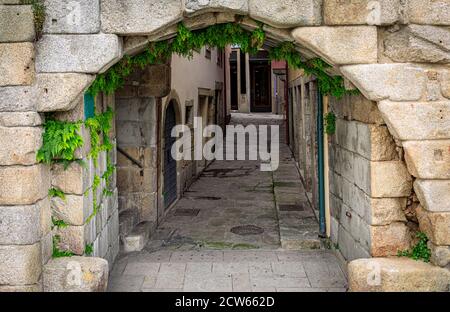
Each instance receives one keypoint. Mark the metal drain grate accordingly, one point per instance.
(244, 230)
(299, 207)
(186, 212)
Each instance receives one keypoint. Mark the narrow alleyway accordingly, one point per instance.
(236, 229)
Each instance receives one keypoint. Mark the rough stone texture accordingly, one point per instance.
(72, 180)
(396, 274)
(60, 92)
(17, 99)
(375, 142)
(16, 64)
(16, 23)
(435, 12)
(416, 43)
(23, 185)
(382, 179)
(72, 17)
(80, 54)
(237, 6)
(74, 209)
(76, 274)
(444, 78)
(397, 82)
(20, 225)
(286, 13)
(440, 255)
(350, 12)
(428, 159)
(138, 16)
(21, 289)
(434, 195)
(388, 240)
(435, 225)
(73, 238)
(20, 119)
(340, 45)
(19, 145)
(20, 265)
(417, 120)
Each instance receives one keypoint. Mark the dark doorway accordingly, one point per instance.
(234, 81)
(260, 87)
(170, 164)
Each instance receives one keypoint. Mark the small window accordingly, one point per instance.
(89, 106)
(208, 52)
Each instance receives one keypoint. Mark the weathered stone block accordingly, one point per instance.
(16, 64)
(147, 15)
(340, 45)
(76, 274)
(356, 226)
(46, 248)
(73, 180)
(20, 225)
(20, 119)
(74, 209)
(388, 240)
(375, 142)
(350, 12)
(286, 13)
(365, 110)
(347, 134)
(16, 23)
(435, 225)
(421, 44)
(72, 17)
(20, 265)
(434, 195)
(418, 120)
(88, 53)
(428, 159)
(396, 274)
(19, 145)
(201, 6)
(349, 247)
(444, 79)
(435, 12)
(73, 239)
(23, 185)
(390, 179)
(397, 82)
(45, 216)
(17, 99)
(156, 81)
(374, 211)
(440, 255)
(60, 92)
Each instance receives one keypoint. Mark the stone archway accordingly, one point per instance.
(372, 51)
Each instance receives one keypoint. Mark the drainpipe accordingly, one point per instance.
(320, 144)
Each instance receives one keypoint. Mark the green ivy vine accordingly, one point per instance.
(220, 36)
(330, 123)
(420, 251)
(61, 139)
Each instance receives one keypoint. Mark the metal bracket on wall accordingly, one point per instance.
(134, 161)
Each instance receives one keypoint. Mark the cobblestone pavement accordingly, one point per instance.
(199, 247)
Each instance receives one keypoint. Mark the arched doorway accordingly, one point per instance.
(170, 164)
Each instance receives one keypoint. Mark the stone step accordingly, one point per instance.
(396, 274)
(128, 219)
(138, 238)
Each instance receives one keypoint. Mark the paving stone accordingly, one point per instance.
(141, 268)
